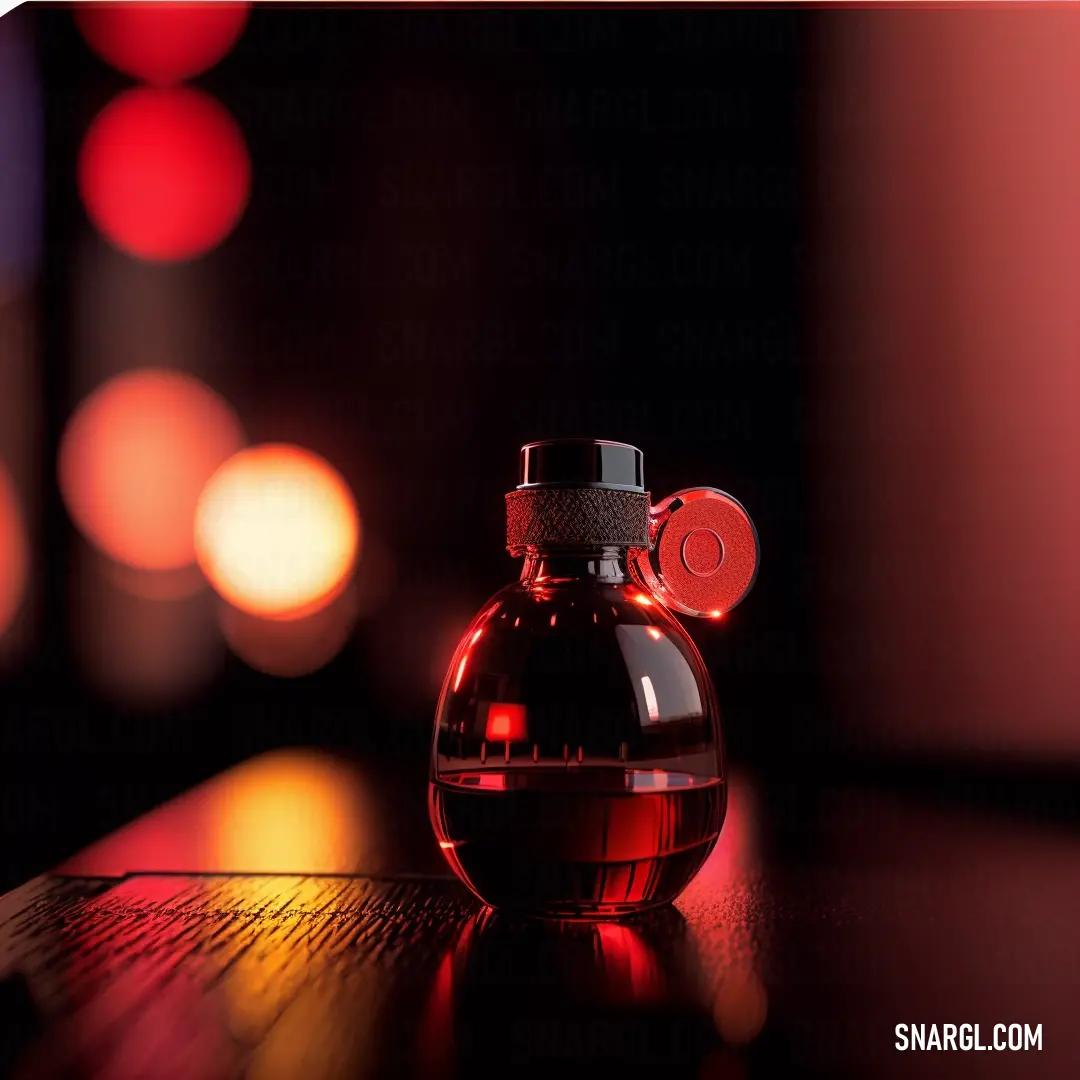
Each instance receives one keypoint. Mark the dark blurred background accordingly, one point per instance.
(466, 230)
(825, 261)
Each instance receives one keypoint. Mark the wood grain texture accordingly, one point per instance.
(774, 961)
(264, 976)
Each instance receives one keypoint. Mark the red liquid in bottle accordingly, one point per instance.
(577, 842)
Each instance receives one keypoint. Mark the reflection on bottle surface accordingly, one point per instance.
(577, 766)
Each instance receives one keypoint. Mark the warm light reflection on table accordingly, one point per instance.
(293, 811)
(336, 955)
(243, 941)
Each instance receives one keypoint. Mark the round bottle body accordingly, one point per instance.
(577, 765)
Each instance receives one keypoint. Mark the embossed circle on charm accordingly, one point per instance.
(705, 552)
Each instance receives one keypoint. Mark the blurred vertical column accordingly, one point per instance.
(164, 177)
(21, 151)
(948, 332)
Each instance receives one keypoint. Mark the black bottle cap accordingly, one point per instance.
(579, 463)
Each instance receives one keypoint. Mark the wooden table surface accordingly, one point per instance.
(294, 918)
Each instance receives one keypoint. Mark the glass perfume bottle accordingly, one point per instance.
(577, 766)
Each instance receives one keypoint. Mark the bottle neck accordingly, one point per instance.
(602, 565)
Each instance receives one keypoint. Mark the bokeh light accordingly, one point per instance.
(289, 648)
(293, 811)
(162, 42)
(277, 532)
(14, 552)
(297, 811)
(164, 173)
(134, 458)
(741, 1006)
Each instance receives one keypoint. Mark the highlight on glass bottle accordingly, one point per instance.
(577, 763)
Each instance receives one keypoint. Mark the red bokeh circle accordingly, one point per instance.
(164, 173)
(162, 42)
(14, 552)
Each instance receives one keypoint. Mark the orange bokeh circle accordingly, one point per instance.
(134, 458)
(277, 532)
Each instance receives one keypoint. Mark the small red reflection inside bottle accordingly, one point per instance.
(506, 723)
